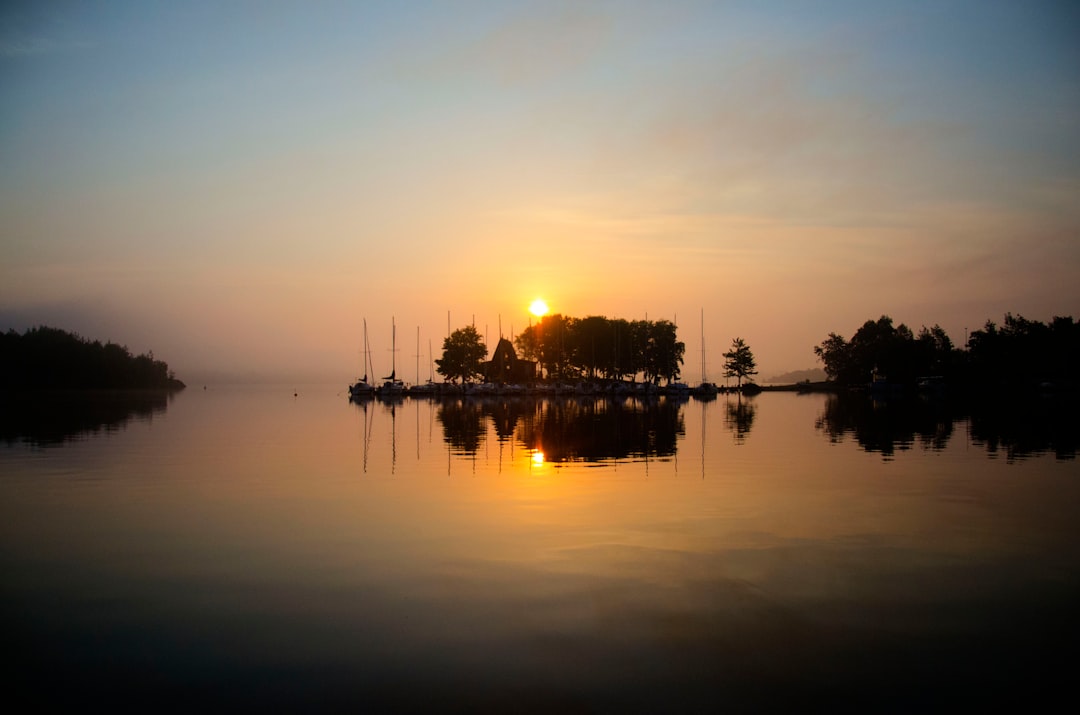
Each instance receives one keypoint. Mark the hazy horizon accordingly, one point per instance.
(237, 188)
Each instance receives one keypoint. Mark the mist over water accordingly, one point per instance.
(283, 548)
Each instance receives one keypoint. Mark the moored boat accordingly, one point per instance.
(392, 387)
(428, 389)
(362, 389)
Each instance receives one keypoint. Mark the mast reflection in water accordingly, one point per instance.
(281, 549)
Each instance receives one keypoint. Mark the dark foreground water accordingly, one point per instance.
(245, 549)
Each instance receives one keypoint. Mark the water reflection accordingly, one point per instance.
(588, 429)
(886, 426)
(234, 554)
(593, 430)
(739, 417)
(1027, 427)
(1018, 427)
(601, 428)
(463, 424)
(52, 418)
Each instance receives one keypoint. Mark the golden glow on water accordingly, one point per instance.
(538, 308)
(457, 529)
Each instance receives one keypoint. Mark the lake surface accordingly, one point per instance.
(242, 547)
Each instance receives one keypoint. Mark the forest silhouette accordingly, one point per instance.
(51, 358)
(1020, 354)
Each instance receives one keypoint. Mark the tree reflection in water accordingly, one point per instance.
(1018, 426)
(739, 417)
(463, 424)
(1028, 426)
(588, 429)
(48, 418)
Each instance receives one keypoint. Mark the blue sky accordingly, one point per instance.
(237, 185)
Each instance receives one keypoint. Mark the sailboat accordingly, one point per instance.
(363, 389)
(392, 386)
(705, 389)
(429, 388)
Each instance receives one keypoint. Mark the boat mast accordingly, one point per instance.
(703, 345)
(369, 365)
(365, 352)
(393, 349)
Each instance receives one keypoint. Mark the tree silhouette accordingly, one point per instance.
(592, 343)
(1025, 352)
(880, 348)
(595, 346)
(663, 351)
(463, 352)
(739, 361)
(45, 357)
(835, 356)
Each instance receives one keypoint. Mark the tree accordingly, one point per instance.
(592, 346)
(595, 346)
(882, 349)
(934, 351)
(835, 354)
(528, 343)
(627, 356)
(1024, 351)
(463, 352)
(663, 351)
(739, 361)
(555, 346)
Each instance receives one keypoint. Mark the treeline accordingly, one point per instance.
(595, 346)
(44, 357)
(1020, 353)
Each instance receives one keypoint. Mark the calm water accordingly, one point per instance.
(245, 547)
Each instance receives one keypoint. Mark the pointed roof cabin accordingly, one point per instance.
(505, 366)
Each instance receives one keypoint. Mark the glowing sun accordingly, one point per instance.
(538, 308)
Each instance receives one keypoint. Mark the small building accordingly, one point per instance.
(504, 365)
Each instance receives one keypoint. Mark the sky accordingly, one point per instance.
(239, 186)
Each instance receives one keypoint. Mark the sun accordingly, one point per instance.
(538, 308)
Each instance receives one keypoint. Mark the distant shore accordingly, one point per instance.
(45, 358)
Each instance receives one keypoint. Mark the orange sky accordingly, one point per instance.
(238, 188)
